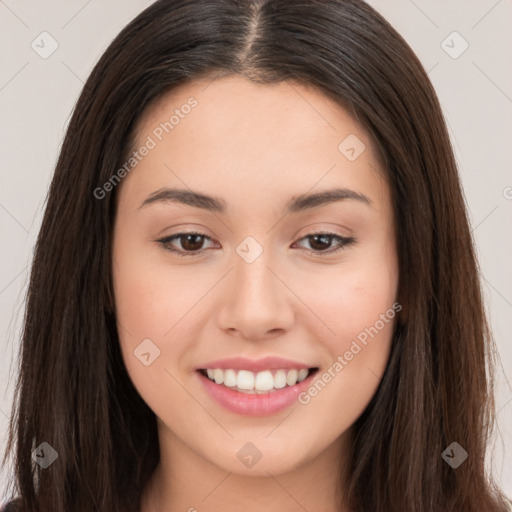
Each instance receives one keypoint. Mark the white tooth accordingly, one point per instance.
(280, 379)
(230, 378)
(264, 381)
(245, 379)
(261, 382)
(302, 375)
(218, 375)
(247, 391)
(291, 378)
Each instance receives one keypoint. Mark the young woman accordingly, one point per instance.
(255, 284)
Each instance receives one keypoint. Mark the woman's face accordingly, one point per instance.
(272, 283)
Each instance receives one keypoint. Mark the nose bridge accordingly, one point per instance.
(256, 301)
(253, 279)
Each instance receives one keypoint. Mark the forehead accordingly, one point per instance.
(230, 134)
(235, 102)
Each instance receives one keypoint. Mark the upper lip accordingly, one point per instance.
(255, 365)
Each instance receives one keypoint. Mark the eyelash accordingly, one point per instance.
(165, 243)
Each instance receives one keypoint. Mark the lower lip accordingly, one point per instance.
(253, 404)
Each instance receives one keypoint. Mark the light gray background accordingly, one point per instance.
(475, 91)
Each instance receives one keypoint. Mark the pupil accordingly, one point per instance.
(325, 241)
(187, 244)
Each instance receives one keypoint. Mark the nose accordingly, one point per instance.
(256, 301)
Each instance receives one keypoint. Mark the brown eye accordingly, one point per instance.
(321, 241)
(191, 243)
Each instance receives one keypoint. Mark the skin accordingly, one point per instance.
(254, 146)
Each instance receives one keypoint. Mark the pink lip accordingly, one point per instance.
(255, 365)
(254, 405)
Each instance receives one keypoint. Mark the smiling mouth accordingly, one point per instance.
(257, 383)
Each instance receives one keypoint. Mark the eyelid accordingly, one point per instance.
(315, 228)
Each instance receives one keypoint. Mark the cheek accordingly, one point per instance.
(351, 296)
(151, 304)
(359, 306)
(151, 295)
(151, 308)
(355, 313)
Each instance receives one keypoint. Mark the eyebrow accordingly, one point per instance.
(218, 205)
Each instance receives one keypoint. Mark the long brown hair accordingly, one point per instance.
(73, 390)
